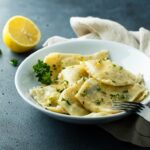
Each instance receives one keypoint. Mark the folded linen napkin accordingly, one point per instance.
(133, 128)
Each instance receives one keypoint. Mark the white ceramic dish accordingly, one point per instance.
(128, 57)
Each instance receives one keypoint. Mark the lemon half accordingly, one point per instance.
(21, 34)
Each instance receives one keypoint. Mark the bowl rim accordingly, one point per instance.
(55, 114)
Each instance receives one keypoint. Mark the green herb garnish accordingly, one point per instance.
(119, 96)
(106, 58)
(84, 93)
(0, 52)
(114, 65)
(103, 92)
(100, 61)
(66, 101)
(125, 91)
(112, 96)
(115, 96)
(63, 67)
(54, 67)
(42, 72)
(65, 82)
(97, 102)
(49, 105)
(98, 89)
(120, 67)
(84, 78)
(60, 90)
(113, 81)
(14, 62)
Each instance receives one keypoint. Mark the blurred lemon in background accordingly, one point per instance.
(20, 34)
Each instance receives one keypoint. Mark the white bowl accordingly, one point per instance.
(129, 57)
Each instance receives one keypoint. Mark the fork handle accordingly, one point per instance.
(145, 113)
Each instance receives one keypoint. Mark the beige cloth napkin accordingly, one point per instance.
(131, 129)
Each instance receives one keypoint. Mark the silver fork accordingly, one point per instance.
(133, 107)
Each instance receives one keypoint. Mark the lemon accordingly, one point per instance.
(20, 34)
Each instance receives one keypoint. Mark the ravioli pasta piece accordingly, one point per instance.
(69, 102)
(98, 97)
(102, 55)
(45, 95)
(142, 96)
(87, 85)
(57, 109)
(58, 61)
(92, 98)
(109, 73)
(135, 91)
(73, 73)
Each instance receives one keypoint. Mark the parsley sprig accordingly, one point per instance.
(42, 72)
(0, 52)
(14, 62)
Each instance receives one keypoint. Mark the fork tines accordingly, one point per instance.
(128, 106)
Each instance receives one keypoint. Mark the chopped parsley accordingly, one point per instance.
(82, 58)
(98, 89)
(84, 93)
(106, 58)
(113, 81)
(122, 96)
(51, 72)
(54, 67)
(0, 52)
(60, 90)
(14, 62)
(103, 92)
(125, 91)
(98, 102)
(56, 79)
(42, 72)
(100, 61)
(119, 96)
(84, 78)
(120, 68)
(63, 67)
(114, 65)
(65, 82)
(66, 101)
(112, 96)
(49, 105)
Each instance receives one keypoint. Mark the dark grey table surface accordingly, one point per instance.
(23, 127)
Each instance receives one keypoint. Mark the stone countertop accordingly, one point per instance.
(21, 126)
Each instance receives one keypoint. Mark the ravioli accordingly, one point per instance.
(98, 97)
(59, 61)
(70, 103)
(45, 95)
(72, 74)
(102, 55)
(57, 109)
(141, 96)
(109, 73)
(87, 85)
